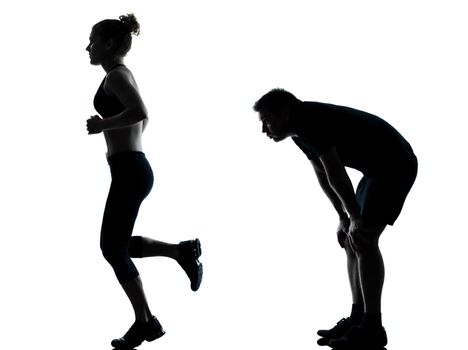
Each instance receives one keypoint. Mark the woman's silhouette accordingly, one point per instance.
(123, 118)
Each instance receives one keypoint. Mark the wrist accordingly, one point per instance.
(356, 220)
(103, 125)
(355, 215)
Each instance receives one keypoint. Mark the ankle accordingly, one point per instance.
(372, 321)
(144, 317)
(176, 251)
(357, 313)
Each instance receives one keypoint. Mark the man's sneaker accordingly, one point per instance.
(360, 337)
(190, 251)
(341, 328)
(139, 332)
(323, 341)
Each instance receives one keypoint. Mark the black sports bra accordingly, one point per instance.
(107, 106)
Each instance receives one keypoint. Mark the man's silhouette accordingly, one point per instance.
(333, 138)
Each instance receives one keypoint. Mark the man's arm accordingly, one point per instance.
(325, 185)
(340, 182)
(358, 233)
(343, 226)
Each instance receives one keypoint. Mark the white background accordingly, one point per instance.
(274, 273)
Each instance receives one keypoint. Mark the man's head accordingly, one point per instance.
(275, 109)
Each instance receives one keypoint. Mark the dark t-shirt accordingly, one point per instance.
(363, 141)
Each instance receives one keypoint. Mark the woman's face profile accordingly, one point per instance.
(97, 48)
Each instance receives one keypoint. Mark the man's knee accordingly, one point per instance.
(365, 241)
(366, 249)
(368, 246)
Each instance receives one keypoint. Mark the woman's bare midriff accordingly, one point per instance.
(124, 140)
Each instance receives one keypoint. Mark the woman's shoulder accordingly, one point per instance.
(119, 73)
(121, 77)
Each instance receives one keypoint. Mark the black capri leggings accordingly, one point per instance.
(132, 180)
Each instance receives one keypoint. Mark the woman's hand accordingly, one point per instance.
(94, 125)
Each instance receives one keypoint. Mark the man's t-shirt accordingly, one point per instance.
(363, 141)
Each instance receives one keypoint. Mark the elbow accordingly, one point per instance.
(139, 115)
(143, 114)
(145, 118)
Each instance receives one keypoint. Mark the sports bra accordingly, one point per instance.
(106, 105)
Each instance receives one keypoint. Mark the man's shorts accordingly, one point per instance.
(381, 197)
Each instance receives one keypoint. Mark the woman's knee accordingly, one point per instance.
(135, 247)
(112, 253)
(120, 261)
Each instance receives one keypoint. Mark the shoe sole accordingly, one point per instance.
(196, 248)
(323, 341)
(199, 279)
(119, 346)
(195, 251)
(155, 336)
(354, 347)
(336, 344)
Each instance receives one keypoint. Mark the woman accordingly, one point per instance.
(123, 118)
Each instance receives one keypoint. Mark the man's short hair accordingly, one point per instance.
(275, 100)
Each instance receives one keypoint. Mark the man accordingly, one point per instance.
(334, 137)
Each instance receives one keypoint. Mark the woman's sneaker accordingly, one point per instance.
(361, 338)
(341, 328)
(190, 251)
(139, 332)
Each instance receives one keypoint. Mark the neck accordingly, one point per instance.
(295, 115)
(107, 65)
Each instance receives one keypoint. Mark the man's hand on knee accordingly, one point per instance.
(342, 231)
(359, 235)
(362, 235)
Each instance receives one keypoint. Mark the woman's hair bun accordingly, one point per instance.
(130, 22)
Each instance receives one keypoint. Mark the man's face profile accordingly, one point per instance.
(275, 125)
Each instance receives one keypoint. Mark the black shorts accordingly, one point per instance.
(381, 197)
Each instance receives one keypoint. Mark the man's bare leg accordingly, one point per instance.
(353, 275)
(372, 274)
(357, 310)
(371, 271)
